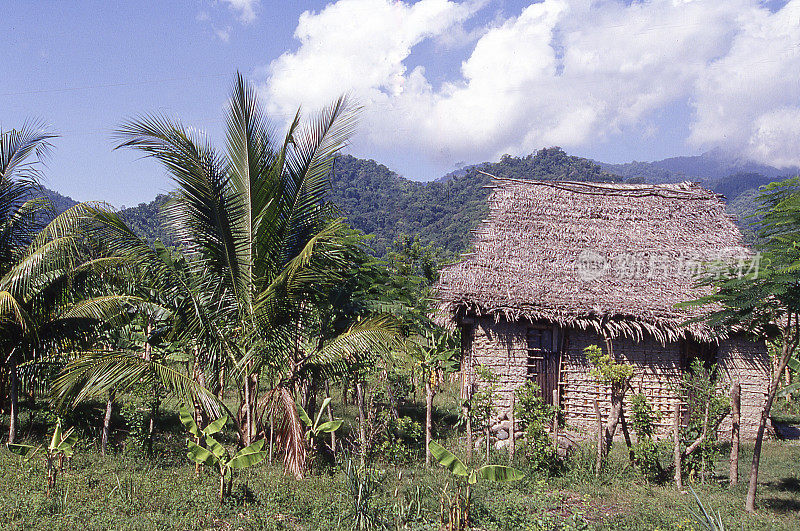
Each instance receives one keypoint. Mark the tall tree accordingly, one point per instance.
(762, 297)
(263, 245)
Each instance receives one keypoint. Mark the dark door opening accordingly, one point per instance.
(543, 361)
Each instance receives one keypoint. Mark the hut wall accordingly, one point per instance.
(657, 372)
(502, 348)
(748, 362)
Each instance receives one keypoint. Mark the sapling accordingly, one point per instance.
(61, 445)
(496, 473)
(606, 370)
(214, 455)
(316, 427)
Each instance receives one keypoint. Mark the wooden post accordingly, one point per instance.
(736, 417)
(330, 419)
(512, 443)
(555, 418)
(676, 434)
(627, 435)
(362, 419)
(599, 462)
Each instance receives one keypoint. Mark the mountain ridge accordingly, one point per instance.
(445, 211)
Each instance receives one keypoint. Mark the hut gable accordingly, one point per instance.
(617, 256)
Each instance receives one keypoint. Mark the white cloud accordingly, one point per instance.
(246, 9)
(561, 72)
(223, 34)
(749, 100)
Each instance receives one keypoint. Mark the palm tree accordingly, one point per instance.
(46, 305)
(263, 247)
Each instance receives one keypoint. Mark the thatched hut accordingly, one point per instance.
(559, 266)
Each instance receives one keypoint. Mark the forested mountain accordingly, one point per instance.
(709, 167)
(378, 201)
(144, 219)
(382, 203)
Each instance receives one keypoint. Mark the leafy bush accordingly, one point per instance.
(647, 450)
(708, 404)
(404, 440)
(534, 416)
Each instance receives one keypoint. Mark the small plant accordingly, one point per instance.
(61, 445)
(534, 416)
(481, 407)
(364, 487)
(403, 441)
(646, 449)
(317, 428)
(408, 505)
(214, 455)
(606, 370)
(706, 518)
(458, 514)
(708, 405)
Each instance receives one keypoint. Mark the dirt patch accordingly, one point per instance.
(566, 504)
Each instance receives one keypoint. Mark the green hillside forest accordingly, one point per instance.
(442, 213)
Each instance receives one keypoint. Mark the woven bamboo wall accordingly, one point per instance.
(748, 362)
(657, 373)
(502, 347)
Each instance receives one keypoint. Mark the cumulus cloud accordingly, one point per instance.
(559, 72)
(749, 99)
(245, 9)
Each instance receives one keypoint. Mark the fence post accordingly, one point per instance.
(599, 462)
(512, 443)
(736, 417)
(555, 418)
(676, 434)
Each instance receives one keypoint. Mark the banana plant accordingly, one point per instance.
(214, 455)
(495, 473)
(316, 427)
(788, 390)
(61, 445)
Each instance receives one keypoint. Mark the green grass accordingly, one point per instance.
(128, 490)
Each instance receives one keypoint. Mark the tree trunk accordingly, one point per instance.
(106, 423)
(330, 419)
(428, 419)
(600, 453)
(617, 398)
(676, 436)
(390, 396)
(627, 435)
(787, 380)
(468, 416)
(789, 344)
(13, 420)
(362, 419)
(736, 416)
(151, 426)
(512, 443)
(556, 403)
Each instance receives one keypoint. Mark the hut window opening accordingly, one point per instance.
(543, 360)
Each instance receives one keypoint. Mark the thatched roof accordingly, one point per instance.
(616, 256)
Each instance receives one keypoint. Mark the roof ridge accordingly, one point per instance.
(682, 190)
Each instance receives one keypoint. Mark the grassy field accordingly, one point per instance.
(129, 490)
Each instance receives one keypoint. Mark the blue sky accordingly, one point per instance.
(442, 82)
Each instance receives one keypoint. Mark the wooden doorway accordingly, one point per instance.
(544, 360)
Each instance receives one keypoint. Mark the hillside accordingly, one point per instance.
(709, 167)
(378, 201)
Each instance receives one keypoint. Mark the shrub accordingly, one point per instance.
(534, 416)
(646, 449)
(404, 440)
